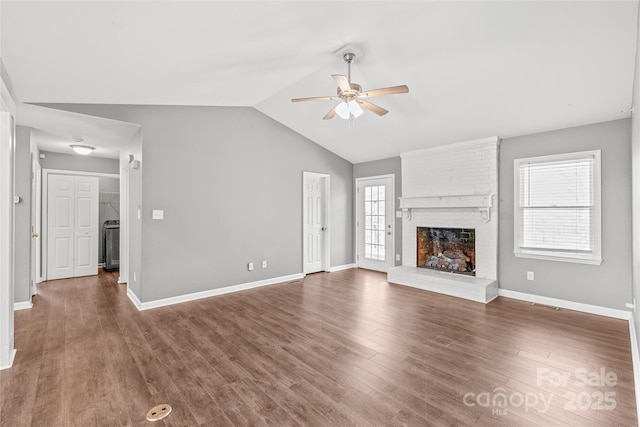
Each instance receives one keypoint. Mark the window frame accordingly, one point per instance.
(595, 256)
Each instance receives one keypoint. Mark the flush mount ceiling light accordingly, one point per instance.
(81, 148)
(352, 96)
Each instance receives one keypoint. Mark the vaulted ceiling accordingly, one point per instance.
(474, 69)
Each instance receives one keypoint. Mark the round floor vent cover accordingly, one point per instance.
(159, 412)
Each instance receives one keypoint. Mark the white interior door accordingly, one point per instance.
(86, 226)
(315, 223)
(60, 228)
(72, 226)
(375, 223)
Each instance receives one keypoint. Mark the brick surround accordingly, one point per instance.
(463, 169)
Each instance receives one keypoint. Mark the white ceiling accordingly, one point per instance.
(474, 69)
(55, 130)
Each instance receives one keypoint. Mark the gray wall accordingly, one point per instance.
(391, 166)
(230, 183)
(607, 285)
(76, 162)
(22, 215)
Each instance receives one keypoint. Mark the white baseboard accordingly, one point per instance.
(24, 305)
(570, 305)
(635, 358)
(341, 267)
(11, 359)
(210, 293)
(134, 299)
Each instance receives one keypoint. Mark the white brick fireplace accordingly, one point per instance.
(451, 186)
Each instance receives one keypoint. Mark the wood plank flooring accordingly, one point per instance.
(333, 349)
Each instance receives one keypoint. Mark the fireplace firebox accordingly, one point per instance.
(447, 249)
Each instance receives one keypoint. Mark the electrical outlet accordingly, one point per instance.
(631, 305)
(530, 275)
(250, 266)
(264, 263)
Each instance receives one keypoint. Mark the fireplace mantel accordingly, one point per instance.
(482, 202)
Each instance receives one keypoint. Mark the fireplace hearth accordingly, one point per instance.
(446, 249)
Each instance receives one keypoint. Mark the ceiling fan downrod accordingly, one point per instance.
(348, 58)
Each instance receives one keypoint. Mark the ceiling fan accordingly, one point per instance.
(353, 99)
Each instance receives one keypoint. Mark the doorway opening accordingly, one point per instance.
(72, 233)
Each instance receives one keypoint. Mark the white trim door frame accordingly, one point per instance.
(375, 261)
(7, 151)
(316, 229)
(36, 189)
(124, 225)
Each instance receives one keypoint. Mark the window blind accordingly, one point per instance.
(557, 205)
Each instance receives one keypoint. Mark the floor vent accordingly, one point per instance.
(546, 306)
(159, 412)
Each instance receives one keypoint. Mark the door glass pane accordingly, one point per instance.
(374, 219)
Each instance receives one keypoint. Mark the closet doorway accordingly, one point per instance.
(72, 226)
(71, 213)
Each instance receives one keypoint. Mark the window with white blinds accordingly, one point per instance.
(557, 207)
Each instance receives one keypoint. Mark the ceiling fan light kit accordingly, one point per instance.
(350, 94)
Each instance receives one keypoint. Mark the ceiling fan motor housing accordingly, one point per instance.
(351, 94)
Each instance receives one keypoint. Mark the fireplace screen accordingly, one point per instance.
(447, 249)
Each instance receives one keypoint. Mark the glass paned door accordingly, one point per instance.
(375, 223)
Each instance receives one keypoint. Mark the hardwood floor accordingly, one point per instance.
(334, 349)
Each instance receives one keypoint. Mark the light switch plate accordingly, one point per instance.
(157, 214)
(398, 214)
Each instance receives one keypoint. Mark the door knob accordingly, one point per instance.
(323, 229)
(389, 233)
(35, 235)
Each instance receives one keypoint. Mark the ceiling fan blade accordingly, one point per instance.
(315, 98)
(385, 91)
(342, 81)
(372, 107)
(331, 113)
